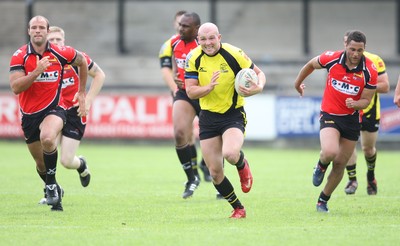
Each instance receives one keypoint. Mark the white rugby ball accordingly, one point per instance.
(242, 78)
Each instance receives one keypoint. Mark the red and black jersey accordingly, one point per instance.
(179, 50)
(45, 90)
(343, 83)
(70, 82)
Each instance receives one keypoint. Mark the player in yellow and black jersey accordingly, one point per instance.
(210, 71)
(369, 130)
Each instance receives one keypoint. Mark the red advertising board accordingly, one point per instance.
(111, 116)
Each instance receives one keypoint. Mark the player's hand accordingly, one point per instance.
(178, 81)
(350, 103)
(79, 100)
(253, 89)
(213, 81)
(396, 100)
(42, 64)
(300, 89)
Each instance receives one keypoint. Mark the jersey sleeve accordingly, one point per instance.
(191, 71)
(88, 60)
(326, 58)
(380, 65)
(165, 54)
(373, 80)
(244, 60)
(69, 54)
(17, 61)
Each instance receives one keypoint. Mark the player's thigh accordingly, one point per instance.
(329, 139)
(211, 149)
(346, 150)
(183, 115)
(50, 127)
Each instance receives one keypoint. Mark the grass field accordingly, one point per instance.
(135, 199)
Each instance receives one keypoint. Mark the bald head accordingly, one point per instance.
(39, 18)
(208, 27)
(209, 38)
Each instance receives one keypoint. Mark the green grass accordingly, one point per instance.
(135, 199)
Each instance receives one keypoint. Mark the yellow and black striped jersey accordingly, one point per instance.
(229, 61)
(373, 109)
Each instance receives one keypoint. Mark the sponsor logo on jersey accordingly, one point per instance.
(180, 63)
(48, 76)
(346, 78)
(224, 68)
(345, 87)
(68, 82)
(202, 69)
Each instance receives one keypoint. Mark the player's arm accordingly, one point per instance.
(256, 88)
(20, 82)
(396, 99)
(195, 91)
(168, 77)
(364, 100)
(80, 62)
(305, 71)
(166, 63)
(382, 84)
(97, 83)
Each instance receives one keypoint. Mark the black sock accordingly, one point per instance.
(323, 198)
(82, 166)
(371, 167)
(225, 188)
(42, 175)
(50, 161)
(185, 159)
(240, 164)
(193, 153)
(322, 165)
(352, 173)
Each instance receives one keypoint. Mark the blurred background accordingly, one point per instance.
(124, 38)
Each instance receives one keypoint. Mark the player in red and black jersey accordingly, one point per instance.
(36, 71)
(350, 85)
(184, 108)
(75, 125)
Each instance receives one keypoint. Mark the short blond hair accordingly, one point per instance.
(57, 29)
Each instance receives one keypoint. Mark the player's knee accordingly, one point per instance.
(181, 136)
(368, 150)
(66, 161)
(231, 156)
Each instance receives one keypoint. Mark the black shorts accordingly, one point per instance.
(182, 95)
(349, 126)
(30, 123)
(75, 126)
(214, 124)
(369, 124)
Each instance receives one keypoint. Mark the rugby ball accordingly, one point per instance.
(242, 78)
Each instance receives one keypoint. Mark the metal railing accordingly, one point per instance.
(213, 12)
